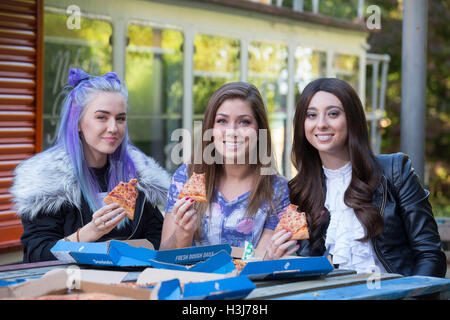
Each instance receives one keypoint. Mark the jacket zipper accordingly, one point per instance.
(383, 205)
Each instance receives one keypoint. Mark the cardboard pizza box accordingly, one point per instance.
(170, 285)
(287, 268)
(228, 288)
(220, 263)
(66, 281)
(237, 287)
(129, 254)
(100, 251)
(152, 275)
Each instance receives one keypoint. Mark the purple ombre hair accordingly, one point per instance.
(121, 167)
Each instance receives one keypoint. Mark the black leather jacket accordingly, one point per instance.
(410, 242)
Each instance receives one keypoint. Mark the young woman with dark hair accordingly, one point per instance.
(244, 192)
(368, 212)
(59, 193)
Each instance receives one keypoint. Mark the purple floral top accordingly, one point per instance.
(226, 222)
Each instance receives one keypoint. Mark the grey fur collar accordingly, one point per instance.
(46, 181)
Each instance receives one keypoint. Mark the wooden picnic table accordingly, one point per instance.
(337, 285)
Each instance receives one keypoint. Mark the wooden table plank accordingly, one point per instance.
(400, 288)
(293, 288)
(273, 282)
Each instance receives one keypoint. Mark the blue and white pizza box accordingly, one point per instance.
(220, 263)
(287, 268)
(196, 285)
(228, 288)
(130, 253)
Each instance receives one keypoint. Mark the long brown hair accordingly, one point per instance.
(307, 187)
(262, 189)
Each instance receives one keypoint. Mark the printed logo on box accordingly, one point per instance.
(102, 261)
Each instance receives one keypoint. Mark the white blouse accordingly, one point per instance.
(344, 228)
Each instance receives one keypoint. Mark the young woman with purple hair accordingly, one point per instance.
(58, 193)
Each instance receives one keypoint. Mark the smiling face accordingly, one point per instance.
(326, 126)
(235, 130)
(102, 127)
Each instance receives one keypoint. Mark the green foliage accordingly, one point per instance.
(389, 40)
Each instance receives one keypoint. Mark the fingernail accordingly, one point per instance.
(192, 200)
(187, 198)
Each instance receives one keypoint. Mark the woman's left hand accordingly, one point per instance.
(280, 245)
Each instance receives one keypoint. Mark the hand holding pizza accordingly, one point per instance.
(185, 216)
(281, 245)
(103, 221)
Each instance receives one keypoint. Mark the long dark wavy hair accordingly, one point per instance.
(307, 188)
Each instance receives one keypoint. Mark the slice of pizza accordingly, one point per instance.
(239, 264)
(125, 195)
(294, 222)
(194, 188)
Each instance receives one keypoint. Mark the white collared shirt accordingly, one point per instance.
(344, 228)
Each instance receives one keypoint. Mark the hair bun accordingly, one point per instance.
(111, 76)
(76, 76)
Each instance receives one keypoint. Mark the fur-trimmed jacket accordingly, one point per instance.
(49, 201)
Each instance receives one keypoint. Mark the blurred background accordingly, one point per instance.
(174, 54)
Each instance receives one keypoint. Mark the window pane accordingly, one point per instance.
(86, 48)
(267, 65)
(346, 67)
(310, 64)
(154, 74)
(216, 62)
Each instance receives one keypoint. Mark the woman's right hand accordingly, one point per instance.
(185, 216)
(103, 221)
(179, 225)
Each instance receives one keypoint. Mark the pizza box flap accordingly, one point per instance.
(191, 255)
(228, 288)
(167, 290)
(287, 268)
(126, 254)
(130, 256)
(152, 275)
(57, 281)
(52, 282)
(220, 263)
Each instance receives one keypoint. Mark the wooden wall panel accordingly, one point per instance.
(21, 76)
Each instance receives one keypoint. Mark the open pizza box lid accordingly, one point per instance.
(228, 287)
(220, 263)
(287, 268)
(75, 280)
(135, 253)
